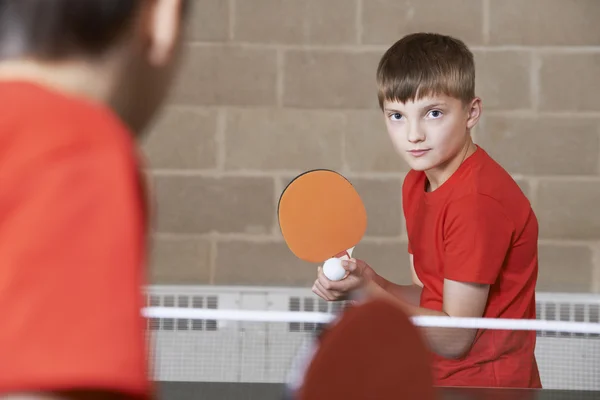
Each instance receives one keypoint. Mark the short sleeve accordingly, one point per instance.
(477, 238)
(71, 254)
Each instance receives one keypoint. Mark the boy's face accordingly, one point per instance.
(431, 132)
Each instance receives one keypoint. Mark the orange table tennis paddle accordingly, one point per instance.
(322, 218)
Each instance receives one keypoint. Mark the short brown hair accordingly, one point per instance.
(424, 64)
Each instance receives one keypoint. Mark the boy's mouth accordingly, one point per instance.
(418, 152)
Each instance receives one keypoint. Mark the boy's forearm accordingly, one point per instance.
(446, 342)
(410, 294)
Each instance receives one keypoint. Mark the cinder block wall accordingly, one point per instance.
(274, 87)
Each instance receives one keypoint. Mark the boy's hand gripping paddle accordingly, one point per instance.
(322, 218)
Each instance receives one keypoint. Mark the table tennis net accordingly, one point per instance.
(255, 346)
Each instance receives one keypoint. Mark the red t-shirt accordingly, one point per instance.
(72, 246)
(478, 227)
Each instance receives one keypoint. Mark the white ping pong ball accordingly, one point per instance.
(333, 270)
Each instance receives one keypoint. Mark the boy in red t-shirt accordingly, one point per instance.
(79, 80)
(472, 233)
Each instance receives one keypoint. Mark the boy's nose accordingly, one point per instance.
(415, 135)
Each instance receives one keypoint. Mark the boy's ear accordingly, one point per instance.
(474, 109)
(163, 19)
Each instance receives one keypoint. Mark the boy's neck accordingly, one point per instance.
(93, 81)
(437, 176)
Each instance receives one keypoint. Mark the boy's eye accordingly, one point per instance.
(435, 113)
(396, 116)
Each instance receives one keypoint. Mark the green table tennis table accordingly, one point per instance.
(266, 391)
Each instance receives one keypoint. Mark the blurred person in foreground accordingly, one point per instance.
(79, 82)
(472, 233)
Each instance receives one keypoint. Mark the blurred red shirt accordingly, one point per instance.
(72, 246)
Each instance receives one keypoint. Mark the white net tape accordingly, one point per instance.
(422, 321)
(229, 345)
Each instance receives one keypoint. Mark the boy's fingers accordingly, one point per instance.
(325, 283)
(342, 286)
(349, 265)
(335, 286)
(338, 288)
(348, 284)
(328, 294)
(318, 292)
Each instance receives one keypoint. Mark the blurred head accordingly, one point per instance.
(426, 90)
(120, 52)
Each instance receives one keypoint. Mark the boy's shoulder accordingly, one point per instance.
(484, 176)
(37, 120)
(480, 176)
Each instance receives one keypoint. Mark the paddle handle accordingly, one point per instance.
(346, 254)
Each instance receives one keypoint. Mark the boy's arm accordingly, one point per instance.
(410, 294)
(460, 300)
(477, 240)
